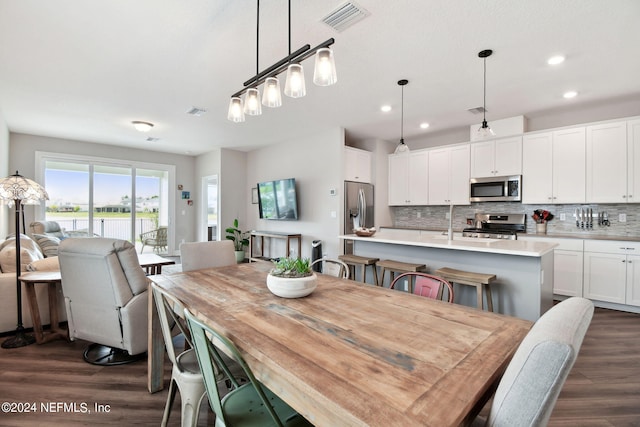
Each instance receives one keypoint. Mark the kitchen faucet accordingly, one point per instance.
(450, 231)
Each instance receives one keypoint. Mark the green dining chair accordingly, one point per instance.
(246, 405)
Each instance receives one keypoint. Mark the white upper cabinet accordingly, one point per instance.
(537, 168)
(357, 165)
(569, 166)
(500, 157)
(408, 178)
(607, 163)
(449, 175)
(633, 161)
(553, 168)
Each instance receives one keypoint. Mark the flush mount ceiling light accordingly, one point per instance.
(555, 60)
(424, 125)
(385, 108)
(485, 131)
(324, 75)
(142, 126)
(402, 147)
(570, 94)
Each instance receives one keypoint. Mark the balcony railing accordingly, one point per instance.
(117, 228)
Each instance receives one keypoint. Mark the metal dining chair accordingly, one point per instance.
(185, 375)
(249, 404)
(332, 267)
(426, 285)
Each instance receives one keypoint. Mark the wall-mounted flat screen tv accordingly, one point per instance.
(278, 200)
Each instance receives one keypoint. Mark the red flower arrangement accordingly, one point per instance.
(541, 216)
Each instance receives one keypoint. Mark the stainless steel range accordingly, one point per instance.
(496, 226)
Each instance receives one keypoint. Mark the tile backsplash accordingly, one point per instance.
(434, 217)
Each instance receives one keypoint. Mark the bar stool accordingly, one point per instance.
(354, 260)
(399, 267)
(479, 280)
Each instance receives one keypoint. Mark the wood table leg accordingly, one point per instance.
(35, 311)
(155, 352)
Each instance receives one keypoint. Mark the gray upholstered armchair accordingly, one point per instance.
(105, 292)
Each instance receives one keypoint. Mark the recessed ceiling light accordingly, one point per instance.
(385, 108)
(424, 125)
(555, 60)
(570, 94)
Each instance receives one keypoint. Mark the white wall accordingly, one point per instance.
(316, 162)
(4, 171)
(22, 148)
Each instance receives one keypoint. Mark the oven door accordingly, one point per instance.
(496, 189)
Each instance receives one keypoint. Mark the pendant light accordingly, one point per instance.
(236, 111)
(324, 73)
(252, 105)
(271, 96)
(402, 147)
(485, 131)
(294, 86)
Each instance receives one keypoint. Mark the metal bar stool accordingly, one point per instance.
(479, 280)
(399, 267)
(354, 260)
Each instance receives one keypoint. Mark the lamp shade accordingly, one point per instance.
(236, 112)
(295, 87)
(324, 73)
(271, 96)
(252, 104)
(17, 187)
(485, 131)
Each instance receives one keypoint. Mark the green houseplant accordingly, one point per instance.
(239, 239)
(291, 278)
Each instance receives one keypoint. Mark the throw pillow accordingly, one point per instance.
(48, 244)
(8, 258)
(45, 264)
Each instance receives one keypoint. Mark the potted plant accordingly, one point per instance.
(239, 239)
(291, 278)
(541, 217)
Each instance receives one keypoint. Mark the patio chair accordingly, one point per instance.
(156, 238)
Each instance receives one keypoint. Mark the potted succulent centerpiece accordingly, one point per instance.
(239, 239)
(291, 278)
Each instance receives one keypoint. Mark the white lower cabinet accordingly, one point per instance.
(567, 265)
(611, 271)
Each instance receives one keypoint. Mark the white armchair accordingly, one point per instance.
(105, 292)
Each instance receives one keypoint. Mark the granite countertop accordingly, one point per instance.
(497, 246)
(585, 235)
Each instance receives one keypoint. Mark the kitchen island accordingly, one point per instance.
(524, 269)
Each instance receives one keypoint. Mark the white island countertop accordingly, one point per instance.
(440, 241)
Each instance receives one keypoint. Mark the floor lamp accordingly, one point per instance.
(17, 190)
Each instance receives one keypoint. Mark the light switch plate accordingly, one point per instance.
(563, 217)
(622, 217)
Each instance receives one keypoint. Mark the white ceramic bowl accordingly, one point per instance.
(291, 287)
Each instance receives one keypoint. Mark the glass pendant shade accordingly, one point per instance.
(17, 187)
(252, 104)
(401, 148)
(271, 96)
(324, 73)
(485, 131)
(294, 86)
(236, 112)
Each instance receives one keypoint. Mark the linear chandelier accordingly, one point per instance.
(324, 75)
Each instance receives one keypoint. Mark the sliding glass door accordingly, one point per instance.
(110, 199)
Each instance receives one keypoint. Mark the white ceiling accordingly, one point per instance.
(84, 69)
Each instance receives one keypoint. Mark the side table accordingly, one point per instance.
(51, 279)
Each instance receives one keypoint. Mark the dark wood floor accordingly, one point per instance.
(602, 390)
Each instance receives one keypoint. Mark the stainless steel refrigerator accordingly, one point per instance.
(358, 209)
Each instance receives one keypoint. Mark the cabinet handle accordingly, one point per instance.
(624, 197)
(624, 261)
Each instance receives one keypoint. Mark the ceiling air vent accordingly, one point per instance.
(477, 110)
(195, 111)
(152, 139)
(345, 16)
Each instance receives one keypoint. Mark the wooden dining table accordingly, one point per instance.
(351, 354)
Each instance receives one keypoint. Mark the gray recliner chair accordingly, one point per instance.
(105, 292)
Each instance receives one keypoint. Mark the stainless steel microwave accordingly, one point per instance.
(496, 189)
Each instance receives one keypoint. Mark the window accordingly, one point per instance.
(108, 198)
